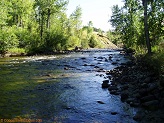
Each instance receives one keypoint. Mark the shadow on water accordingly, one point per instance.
(61, 88)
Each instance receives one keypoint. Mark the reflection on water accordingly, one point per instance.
(61, 88)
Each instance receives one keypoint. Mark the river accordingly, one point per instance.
(62, 88)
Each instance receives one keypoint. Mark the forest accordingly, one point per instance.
(39, 26)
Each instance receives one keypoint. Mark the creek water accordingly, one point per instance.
(62, 88)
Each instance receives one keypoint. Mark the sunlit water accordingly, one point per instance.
(61, 88)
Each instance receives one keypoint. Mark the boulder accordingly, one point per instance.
(105, 85)
(105, 81)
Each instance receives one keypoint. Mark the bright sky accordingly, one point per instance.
(97, 11)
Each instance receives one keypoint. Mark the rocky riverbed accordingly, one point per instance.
(140, 87)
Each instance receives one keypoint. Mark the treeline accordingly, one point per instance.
(40, 26)
(139, 24)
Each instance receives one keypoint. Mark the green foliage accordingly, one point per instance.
(54, 40)
(84, 43)
(155, 62)
(115, 38)
(8, 39)
(17, 50)
(72, 42)
(129, 23)
(93, 42)
(40, 26)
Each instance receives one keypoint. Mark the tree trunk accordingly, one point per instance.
(145, 2)
(41, 25)
(48, 19)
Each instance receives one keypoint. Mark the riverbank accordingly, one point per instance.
(19, 54)
(139, 86)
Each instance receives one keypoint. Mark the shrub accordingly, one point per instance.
(8, 39)
(93, 42)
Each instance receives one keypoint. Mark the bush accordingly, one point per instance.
(84, 43)
(155, 62)
(72, 42)
(54, 40)
(8, 39)
(93, 42)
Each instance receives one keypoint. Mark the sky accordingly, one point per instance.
(97, 11)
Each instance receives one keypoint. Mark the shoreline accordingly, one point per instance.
(140, 87)
(58, 52)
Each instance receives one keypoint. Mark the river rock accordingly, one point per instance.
(96, 67)
(147, 80)
(162, 80)
(110, 88)
(100, 57)
(100, 102)
(124, 95)
(114, 112)
(115, 92)
(134, 104)
(106, 60)
(105, 81)
(124, 79)
(114, 63)
(147, 98)
(151, 105)
(83, 58)
(85, 64)
(110, 57)
(105, 85)
(152, 86)
(144, 85)
(143, 92)
(139, 116)
(129, 100)
(66, 68)
(162, 103)
(125, 87)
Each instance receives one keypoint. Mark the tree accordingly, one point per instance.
(145, 4)
(75, 18)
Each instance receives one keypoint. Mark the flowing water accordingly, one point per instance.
(61, 88)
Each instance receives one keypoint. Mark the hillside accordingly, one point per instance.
(105, 41)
